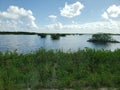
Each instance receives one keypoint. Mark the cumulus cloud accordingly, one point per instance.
(95, 27)
(105, 15)
(112, 12)
(71, 10)
(15, 17)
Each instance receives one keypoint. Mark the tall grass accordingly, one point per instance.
(57, 69)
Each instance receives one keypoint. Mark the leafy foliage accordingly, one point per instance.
(55, 36)
(101, 37)
(57, 69)
(42, 35)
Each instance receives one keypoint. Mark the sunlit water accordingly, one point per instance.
(31, 43)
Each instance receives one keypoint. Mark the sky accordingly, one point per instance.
(60, 16)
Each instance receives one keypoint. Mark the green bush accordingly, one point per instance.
(55, 36)
(42, 35)
(101, 37)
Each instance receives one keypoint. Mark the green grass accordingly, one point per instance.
(43, 69)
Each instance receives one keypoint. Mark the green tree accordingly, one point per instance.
(101, 37)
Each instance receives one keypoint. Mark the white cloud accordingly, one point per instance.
(52, 17)
(112, 12)
(17, 18)
(105, 15)
(56, 26)
(95, 27)
(71, 10)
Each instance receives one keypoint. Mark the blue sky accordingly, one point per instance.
(60, 15)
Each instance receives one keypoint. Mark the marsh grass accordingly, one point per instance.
(43, 69)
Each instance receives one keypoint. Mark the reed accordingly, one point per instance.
(50, 69)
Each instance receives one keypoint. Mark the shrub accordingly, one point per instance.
(55, 36)
(42, 35)
(101, 37)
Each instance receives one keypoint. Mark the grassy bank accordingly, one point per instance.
(87, 68)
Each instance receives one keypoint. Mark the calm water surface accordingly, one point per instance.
(31, 43)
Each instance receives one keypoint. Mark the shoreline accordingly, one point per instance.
(37, 33)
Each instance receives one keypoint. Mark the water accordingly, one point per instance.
(31, 43)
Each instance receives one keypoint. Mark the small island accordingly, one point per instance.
(102, 38)
(55, 36)
(42, 35)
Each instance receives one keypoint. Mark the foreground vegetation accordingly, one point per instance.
(103, 38)
(87, 68)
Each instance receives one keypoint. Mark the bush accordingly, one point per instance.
(42, 35)
(101, 37)
(55, 36)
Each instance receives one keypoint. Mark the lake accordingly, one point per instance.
(31, 43)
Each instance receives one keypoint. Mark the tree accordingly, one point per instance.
(101, 37)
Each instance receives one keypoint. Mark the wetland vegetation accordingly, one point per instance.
(102, 38)
(88, 68)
